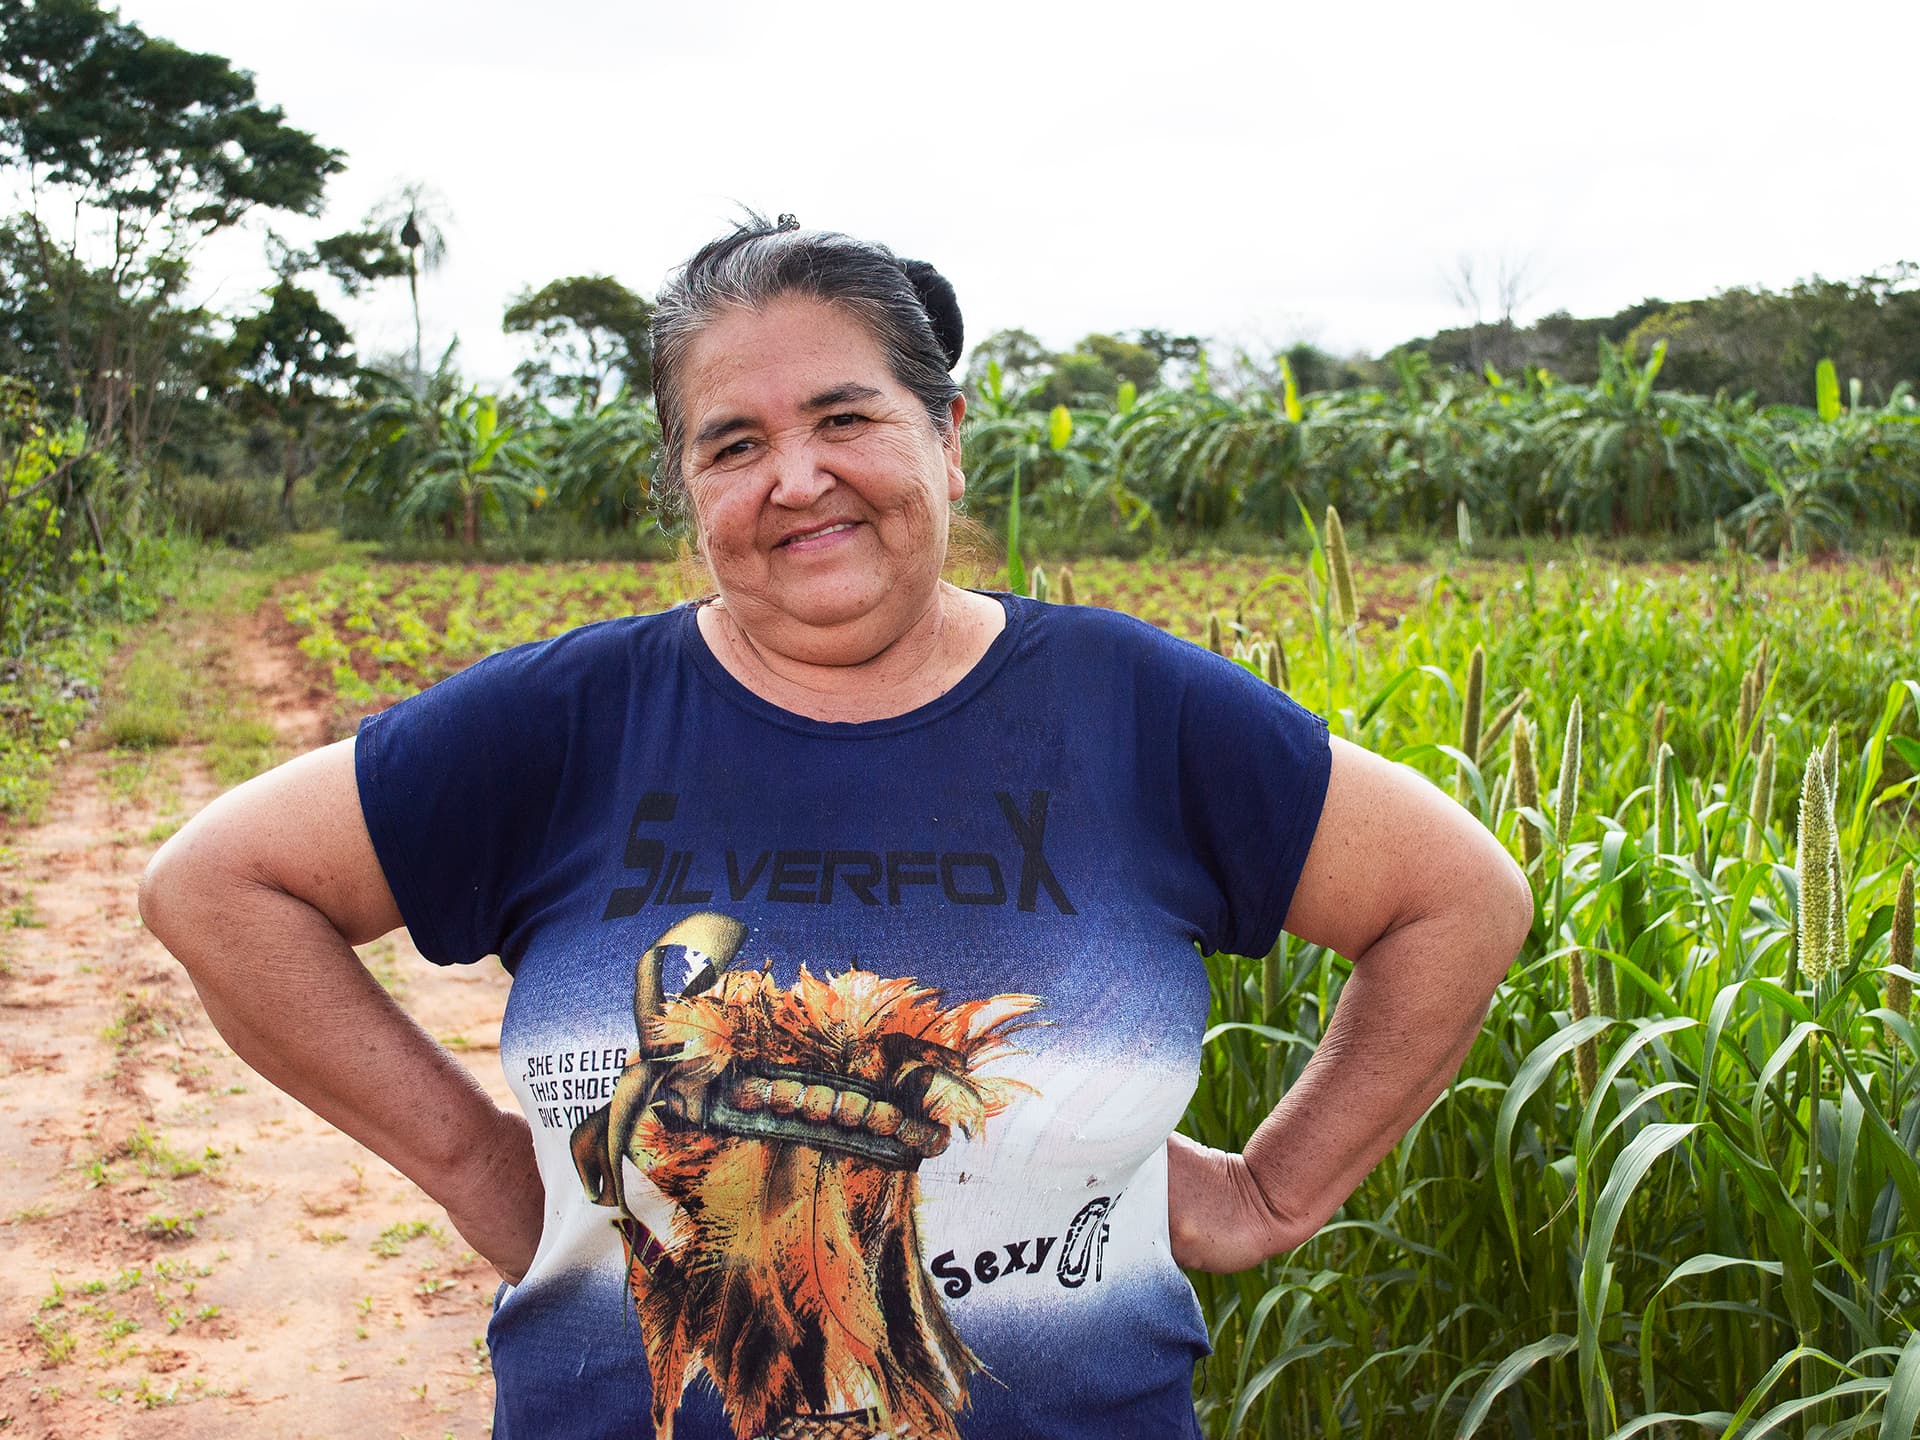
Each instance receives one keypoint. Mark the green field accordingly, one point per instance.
(1674, 1190)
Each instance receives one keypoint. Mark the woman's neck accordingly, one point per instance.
(932, 655)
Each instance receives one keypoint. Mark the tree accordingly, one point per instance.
(1096, 367)
(291, 361)
(415, 218)
(1768, 342)
(603, 462)
(590, 330)
(285, 356)
(1020, 357)
(132, 150)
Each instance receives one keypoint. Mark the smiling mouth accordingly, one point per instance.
(819, 534)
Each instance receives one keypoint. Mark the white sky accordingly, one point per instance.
(1256, 173)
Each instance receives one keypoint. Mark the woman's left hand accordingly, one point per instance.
(1216, 1215)
(1432, 910)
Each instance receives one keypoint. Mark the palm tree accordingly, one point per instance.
(418, 214)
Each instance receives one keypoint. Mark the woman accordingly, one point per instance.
(853, 924)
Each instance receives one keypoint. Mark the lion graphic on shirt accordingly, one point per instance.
(783, 1127)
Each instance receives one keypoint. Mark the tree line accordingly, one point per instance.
(128, 403)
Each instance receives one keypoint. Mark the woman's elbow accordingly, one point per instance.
(173, 890)
(1502, 903)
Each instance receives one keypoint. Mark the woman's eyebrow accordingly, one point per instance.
(848, 394)
(715, 429)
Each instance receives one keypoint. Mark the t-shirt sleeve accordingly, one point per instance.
(1252, 779)
(457, 785)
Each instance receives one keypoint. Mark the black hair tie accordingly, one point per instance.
(942, 307)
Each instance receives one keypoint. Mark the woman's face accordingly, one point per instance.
(819, 486)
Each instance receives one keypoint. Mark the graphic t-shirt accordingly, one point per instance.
(850, 1050)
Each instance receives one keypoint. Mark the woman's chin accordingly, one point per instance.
(838, 622)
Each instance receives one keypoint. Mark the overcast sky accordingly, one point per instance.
(1255, 173)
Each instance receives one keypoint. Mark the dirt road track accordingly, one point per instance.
(184, 1252)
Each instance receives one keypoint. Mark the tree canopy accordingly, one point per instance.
(134, 150)
(588, 330)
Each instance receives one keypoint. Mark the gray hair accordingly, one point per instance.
(905, 305)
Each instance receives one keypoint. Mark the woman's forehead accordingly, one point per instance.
(793, 351)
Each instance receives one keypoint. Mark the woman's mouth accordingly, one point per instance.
(806, 539)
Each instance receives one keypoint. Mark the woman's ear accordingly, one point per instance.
(956, 475)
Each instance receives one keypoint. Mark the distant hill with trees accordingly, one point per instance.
(1743, 341)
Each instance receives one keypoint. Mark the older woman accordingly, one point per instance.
(855, 924)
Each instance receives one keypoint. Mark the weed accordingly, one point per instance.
(152, 698)
(240, 746)
(402, 1233)
(157, 1158)
(56, 1341)
(171, 1227)
(141, 1017)
(152, 1398)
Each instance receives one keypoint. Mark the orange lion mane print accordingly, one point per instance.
(784, 1127)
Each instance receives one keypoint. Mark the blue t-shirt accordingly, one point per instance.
(850, 1050)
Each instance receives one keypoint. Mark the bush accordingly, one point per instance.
(240, 513)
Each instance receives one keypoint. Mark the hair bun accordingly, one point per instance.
(942, 307)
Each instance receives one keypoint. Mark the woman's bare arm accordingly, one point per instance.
(262, 897)
(1432, 911)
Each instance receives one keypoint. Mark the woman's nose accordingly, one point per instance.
(799, 476)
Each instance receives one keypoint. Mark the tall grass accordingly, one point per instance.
(1674, 1189)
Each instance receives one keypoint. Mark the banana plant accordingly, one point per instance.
(1063, 459)
(479, 465)
(603, 463)
(1624, 456)
(440, 455)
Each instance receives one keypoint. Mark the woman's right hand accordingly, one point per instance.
(262, 897)
(497, 1203)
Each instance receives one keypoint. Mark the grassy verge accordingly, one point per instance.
(171, 681)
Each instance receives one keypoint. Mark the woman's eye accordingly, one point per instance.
(844, 422)
(732, 452)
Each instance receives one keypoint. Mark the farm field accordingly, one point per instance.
(1673, 1193)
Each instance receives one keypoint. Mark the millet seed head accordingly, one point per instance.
(1567, 790)
(1814, 867)
(1345, 599)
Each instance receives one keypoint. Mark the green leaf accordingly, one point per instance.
(1059, 427)
(1533, 1073)
(1016, 568)
(1903, 1392)
(1553, 1347)
(1290, 392)
(1709, 1264)
(1826, 391)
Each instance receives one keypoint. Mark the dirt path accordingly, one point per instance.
(183, 1250)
